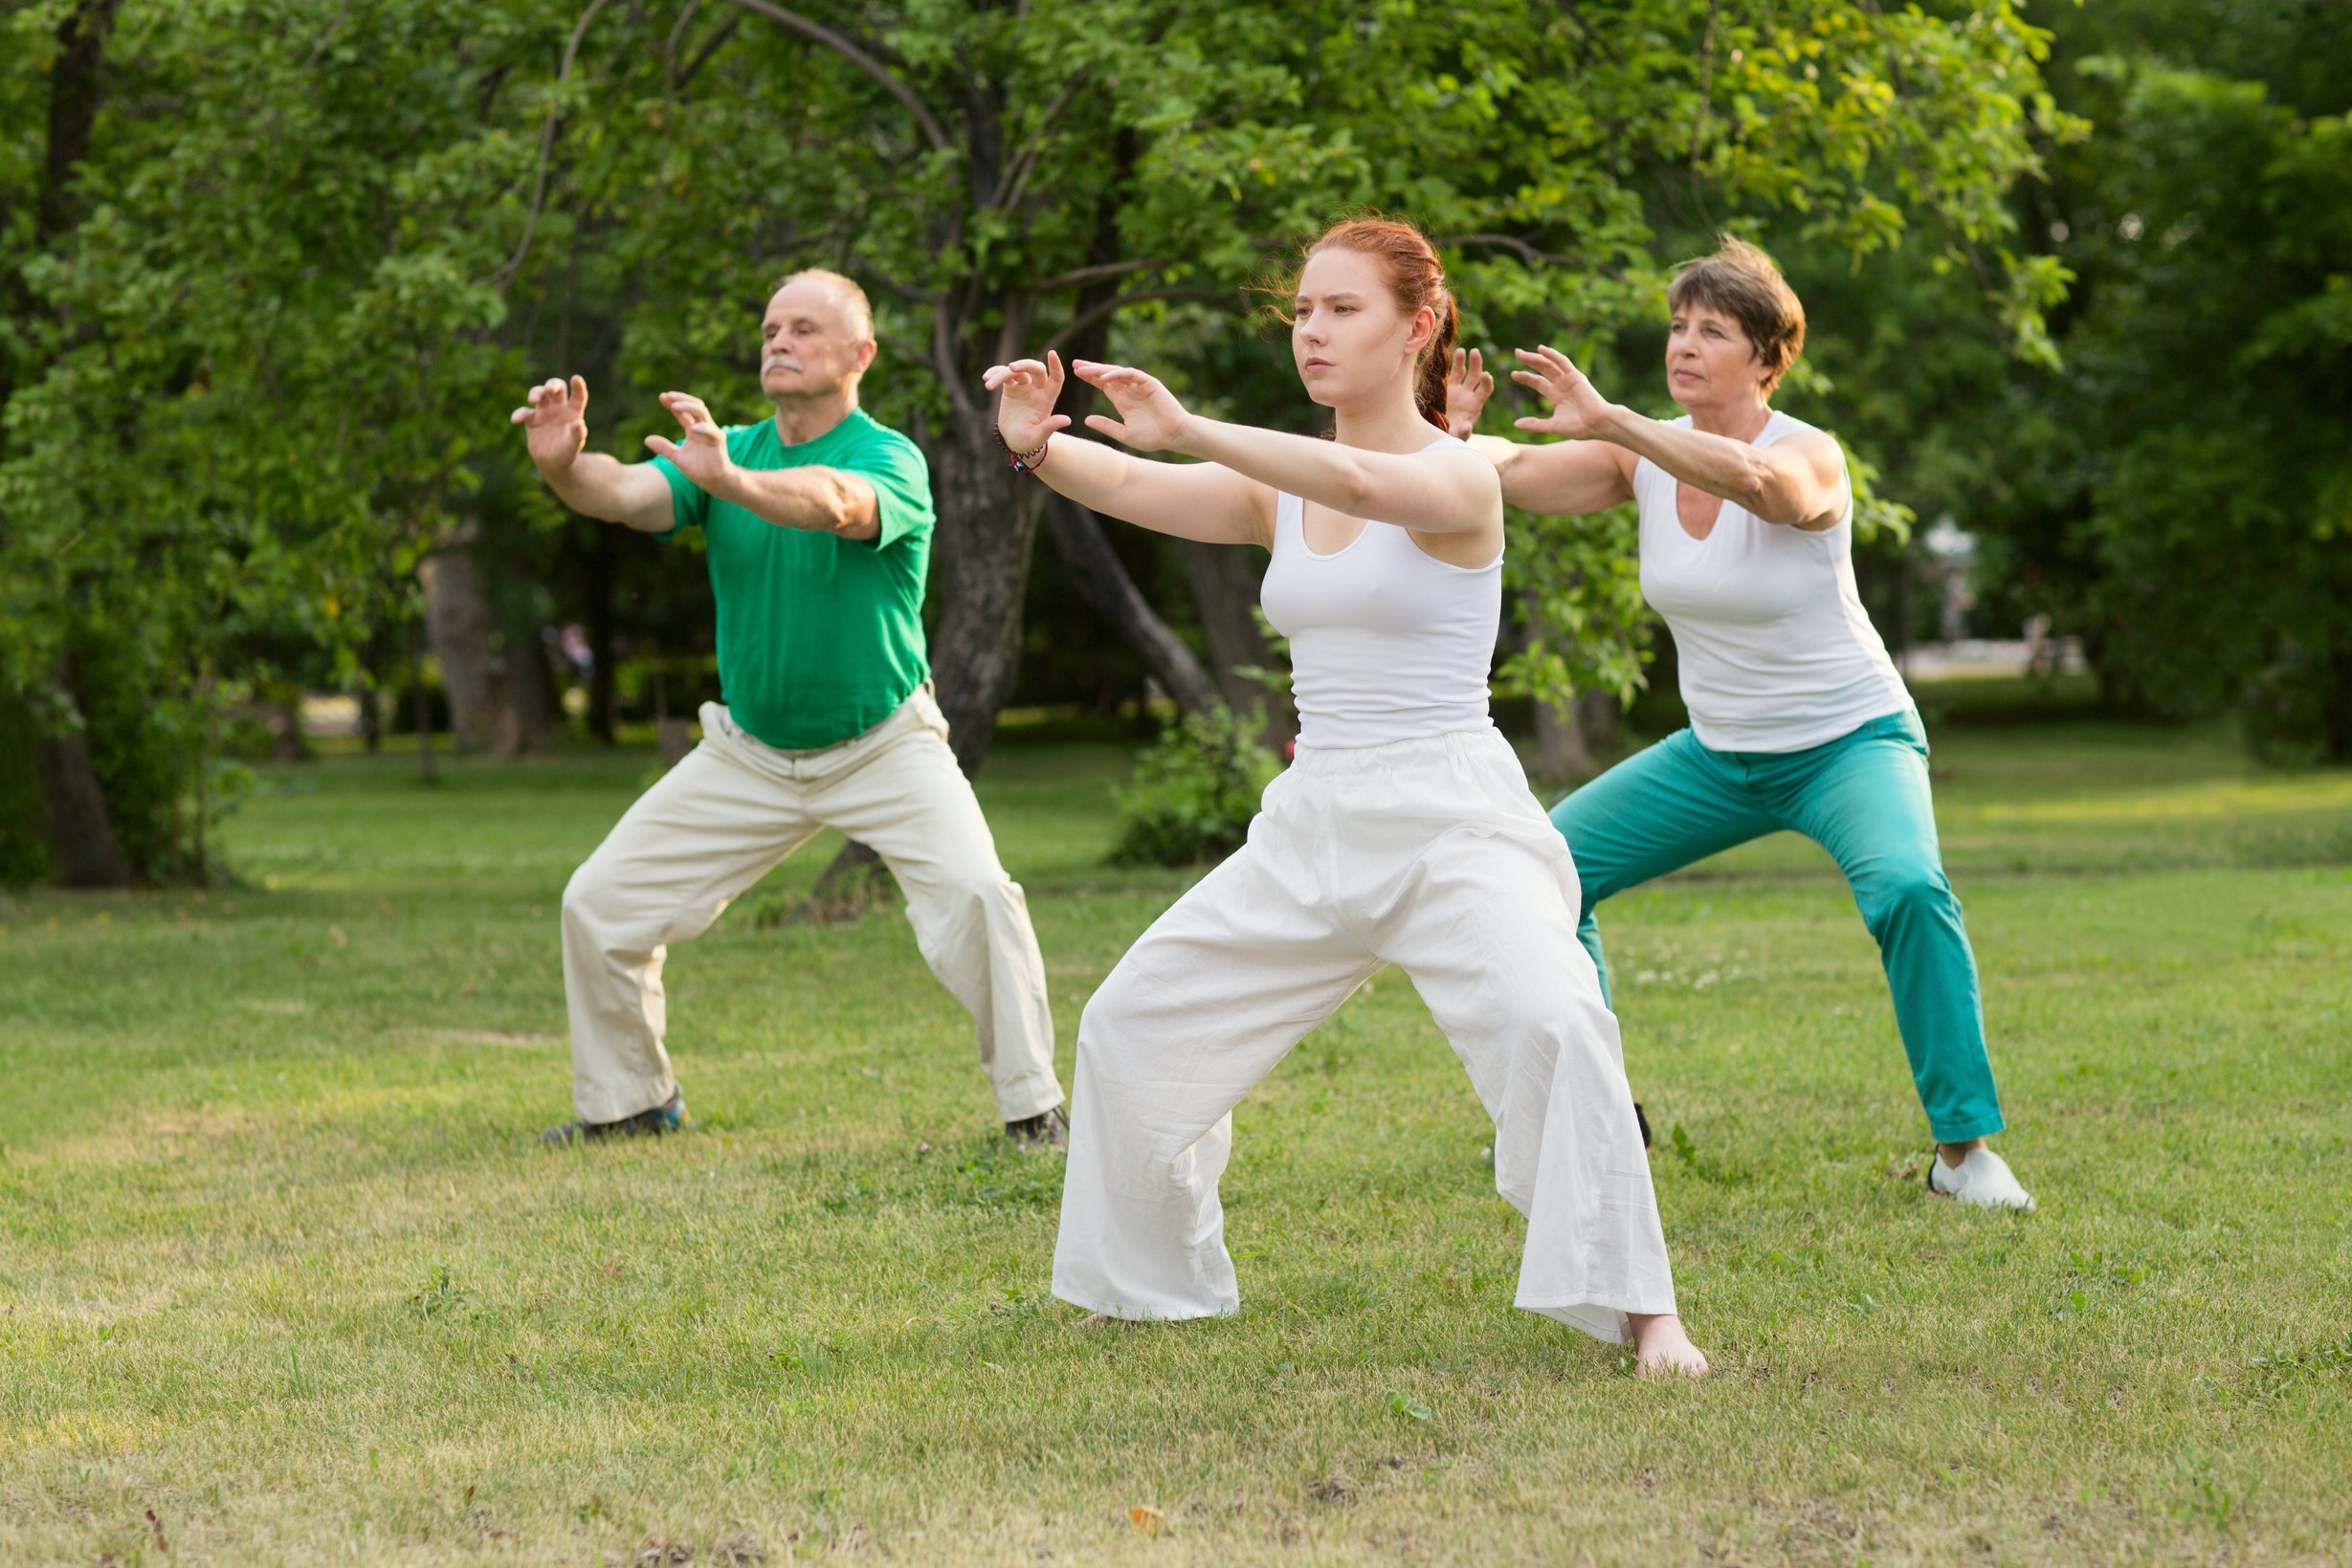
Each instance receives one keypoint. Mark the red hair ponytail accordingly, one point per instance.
(1416, 276)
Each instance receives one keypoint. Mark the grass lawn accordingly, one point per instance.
(284, 1277)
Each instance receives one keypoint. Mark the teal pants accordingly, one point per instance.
(1864, 798)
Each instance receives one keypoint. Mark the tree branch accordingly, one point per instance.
(819, 34)
(1024, 160)
(702, 55)
(505, 273)
(1111, 307)
(1512, 242)
(1079, 277)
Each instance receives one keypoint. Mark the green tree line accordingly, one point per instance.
(273, 270)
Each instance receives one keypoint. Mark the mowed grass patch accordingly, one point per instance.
(281, 1266)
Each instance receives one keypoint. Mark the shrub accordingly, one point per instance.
(1194, 791)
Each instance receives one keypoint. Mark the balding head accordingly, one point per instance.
(816, 338)
(859, 314)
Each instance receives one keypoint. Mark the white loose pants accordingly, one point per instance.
(732, 809)
(1430, 854)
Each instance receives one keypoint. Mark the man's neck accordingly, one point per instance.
(801, 420)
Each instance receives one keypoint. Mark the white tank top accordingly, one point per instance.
(1387, 642)
(1775, 650)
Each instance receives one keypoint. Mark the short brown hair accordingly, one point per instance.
(1739, 281)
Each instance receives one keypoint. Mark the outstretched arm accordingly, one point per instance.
(1190, 500)
(1799, 482)
(1566, 478)
(823, 501)
(554, 417)
(1447, 491)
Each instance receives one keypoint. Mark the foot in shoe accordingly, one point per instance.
(1982, 1178)
(666, 1118)
(1045, 1130)
(1661, 1349)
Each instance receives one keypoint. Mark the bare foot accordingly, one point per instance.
(1661, 1349)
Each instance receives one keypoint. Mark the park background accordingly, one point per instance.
(311, 697)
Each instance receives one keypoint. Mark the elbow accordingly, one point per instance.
(1356, 491)
(1755, 492)
(850, 513)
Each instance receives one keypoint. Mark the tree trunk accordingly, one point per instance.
(1103, 582)
(1570, 740)
(1225, 579)
(424, 711)
(2339, 709)
(985, 529)
(81, 836)
(1102, 578)
(370, 698)
(499, 687)
(74, 823)
(603, 701)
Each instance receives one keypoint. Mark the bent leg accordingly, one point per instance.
(1660, 809)
(1868, 804)
(704, 832)
(1201, 1008)
(912, 805)
(1489, 942)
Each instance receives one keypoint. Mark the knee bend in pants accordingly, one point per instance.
(1911, 893)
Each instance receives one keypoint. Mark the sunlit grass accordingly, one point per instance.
(281, 1266)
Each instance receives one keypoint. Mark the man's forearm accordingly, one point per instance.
(591, 485)
(822, 501)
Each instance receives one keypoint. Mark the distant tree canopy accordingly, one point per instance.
(2181, 490)
(2173, 486)
(275, 270)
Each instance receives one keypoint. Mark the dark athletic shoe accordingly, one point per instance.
(666, 1118)
(1045, 1130)
(1645, 1123)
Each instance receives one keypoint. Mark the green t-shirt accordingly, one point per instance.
(820, 637)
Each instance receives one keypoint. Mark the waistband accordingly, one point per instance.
(912, 704)
(1453, 746)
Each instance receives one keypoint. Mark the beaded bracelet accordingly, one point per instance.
(1023, 462)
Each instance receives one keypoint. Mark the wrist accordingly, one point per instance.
(1190, 437)
(1615, 422)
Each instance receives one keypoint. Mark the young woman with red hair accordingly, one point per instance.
(1404, 833)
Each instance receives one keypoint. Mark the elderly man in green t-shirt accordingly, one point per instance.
(818, 528)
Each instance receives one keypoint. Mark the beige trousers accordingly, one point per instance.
(732, 809)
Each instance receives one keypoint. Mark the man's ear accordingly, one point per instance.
(865, 354)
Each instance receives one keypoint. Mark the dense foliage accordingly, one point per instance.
(275, 270)
(1194, 791)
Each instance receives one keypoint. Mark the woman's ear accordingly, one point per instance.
(1424, 328)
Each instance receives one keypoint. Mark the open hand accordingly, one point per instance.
(702, 456)
(1578, 409)
(554, 421)
(1024, 414)
(1149, 419)
(1469, 383)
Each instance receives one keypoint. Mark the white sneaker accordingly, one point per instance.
(1982, 1178)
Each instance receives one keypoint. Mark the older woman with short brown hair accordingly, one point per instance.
(1799, 721)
